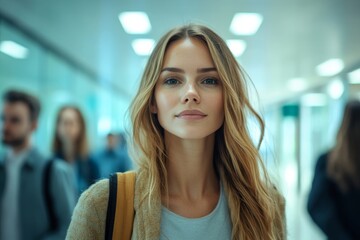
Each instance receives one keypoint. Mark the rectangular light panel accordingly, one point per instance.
(143, 47)
(330, 67)
(245, 23)
(354, 76)
(135, 22)
(237, 47)
(13, 49)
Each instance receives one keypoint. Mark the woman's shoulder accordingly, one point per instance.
(97, 193)
(88, 220)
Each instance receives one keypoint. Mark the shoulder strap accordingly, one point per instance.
(47, 194)
(120, 212)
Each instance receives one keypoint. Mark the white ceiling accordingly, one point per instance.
(294, 38)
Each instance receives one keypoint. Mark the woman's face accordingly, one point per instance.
(189, 92)
(69, 125)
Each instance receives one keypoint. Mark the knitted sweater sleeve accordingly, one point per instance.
(89, 217)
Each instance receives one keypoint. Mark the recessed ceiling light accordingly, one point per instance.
(354, 76)
(237, 47)
(143, 47)
(135, 22)
(330, 67)
(314, 100)
(13, 49)
(297, 84)
(245, 23)
(336, 89)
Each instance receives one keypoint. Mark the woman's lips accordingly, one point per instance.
(191, 114)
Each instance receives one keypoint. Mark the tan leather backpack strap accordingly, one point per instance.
(124, 215)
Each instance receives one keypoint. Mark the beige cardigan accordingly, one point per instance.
(89, 217)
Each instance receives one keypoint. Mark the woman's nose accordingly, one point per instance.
(191, 94)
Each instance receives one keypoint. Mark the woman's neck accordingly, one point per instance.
(69, 151)
(190, 167)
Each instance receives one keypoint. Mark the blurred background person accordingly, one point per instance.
(123, 149)
(335, 195)
(32, 206)
(114, 157)
(70, 144)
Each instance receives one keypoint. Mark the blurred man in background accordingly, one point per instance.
(114, 158)
(36, 195)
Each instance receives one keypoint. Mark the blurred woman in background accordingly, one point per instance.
(70, 143)
(335, 195)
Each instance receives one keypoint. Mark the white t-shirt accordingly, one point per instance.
(10, 200)
(215, 226)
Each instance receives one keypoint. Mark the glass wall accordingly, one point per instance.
(55, 81)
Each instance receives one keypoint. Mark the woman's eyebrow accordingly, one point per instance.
(204, 70)
(179, 70)
(173, 69)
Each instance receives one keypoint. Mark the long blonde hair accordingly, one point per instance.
(344, 160)
(253, 201)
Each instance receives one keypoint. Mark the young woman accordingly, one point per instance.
(70, 144)
(200, 175)
(335, 195)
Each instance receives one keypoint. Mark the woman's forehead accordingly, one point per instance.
(188, 52)
(69, 113)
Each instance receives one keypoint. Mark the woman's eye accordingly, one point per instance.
(171, 81)
(210, 81)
